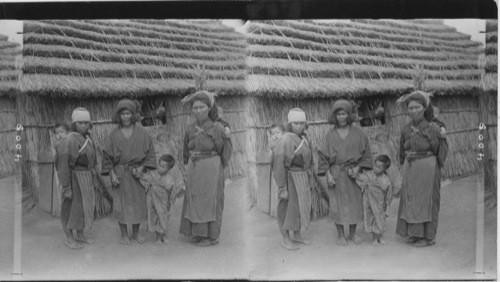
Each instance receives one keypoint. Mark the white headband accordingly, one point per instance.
(80, 114)
(296, 115)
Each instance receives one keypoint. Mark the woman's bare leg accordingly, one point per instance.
(341, 241)
(124, 239)
(82, 238)
(298, 238)
(287, 242)
(135, 234)
(352, 234)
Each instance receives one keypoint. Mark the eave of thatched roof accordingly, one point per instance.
(274, 86)
(318, 59)
(136, 58)
(89, 87)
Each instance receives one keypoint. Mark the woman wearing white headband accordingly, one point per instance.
(76, 170)
(292, 164)
(343, 153)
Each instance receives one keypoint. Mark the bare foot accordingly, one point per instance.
(70, 243)
(125, 241)
(355, 239)
(165, 240)
(375, 242)
(138, 238)
(194, 239)
(158, 241)
(83, 239)
(289, 245)
(207, 242)
(411, 240)
(341, 241)
(381, 240)
(299, 239)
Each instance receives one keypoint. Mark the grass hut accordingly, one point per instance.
(310, 64)
(9, 52)
(94, 63)
(488, 112)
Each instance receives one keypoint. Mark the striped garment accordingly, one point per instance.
(303, 188)
(86, 183)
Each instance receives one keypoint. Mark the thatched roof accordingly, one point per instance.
(363, 57)
(96, 58)
(490, 81)
(8, 73)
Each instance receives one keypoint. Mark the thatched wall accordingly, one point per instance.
(9, 73)
(488, 112)
(7, 135)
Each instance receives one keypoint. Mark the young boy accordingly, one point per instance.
(276, 132)
(161, 193)
(377, 195)
(60, 132)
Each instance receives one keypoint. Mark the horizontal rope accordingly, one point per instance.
(8, 111)
(7, 130)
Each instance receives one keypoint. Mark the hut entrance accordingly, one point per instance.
(371, 112)
(153, 111)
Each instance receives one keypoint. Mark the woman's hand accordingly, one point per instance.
(138, 171)
(330, 180)
(114, 179)
(354, 172)
(67, 193)
(282, 193)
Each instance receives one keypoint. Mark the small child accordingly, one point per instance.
(276, 133)
(224, 123)
(161, 193)
(60, 133)
(439, 122)
(377, 195)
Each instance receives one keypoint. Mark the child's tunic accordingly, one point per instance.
(160, 193)
(377, 195)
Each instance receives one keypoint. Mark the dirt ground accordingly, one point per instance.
(252, 250)
(7, 188)
(453, 257)
(45, 257)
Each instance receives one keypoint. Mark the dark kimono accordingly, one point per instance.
(338, 155)
(76, 163)
(204, 196)
(292, 163)
(420, 191)
(123, 154)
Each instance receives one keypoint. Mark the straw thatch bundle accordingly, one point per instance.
(309, 64)
(93, 63)
(9, 74)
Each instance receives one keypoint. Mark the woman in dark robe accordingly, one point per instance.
(342, 155)
(292, 165)
(128, 151)
(420, 157)
(205, 155)
(76, 164)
